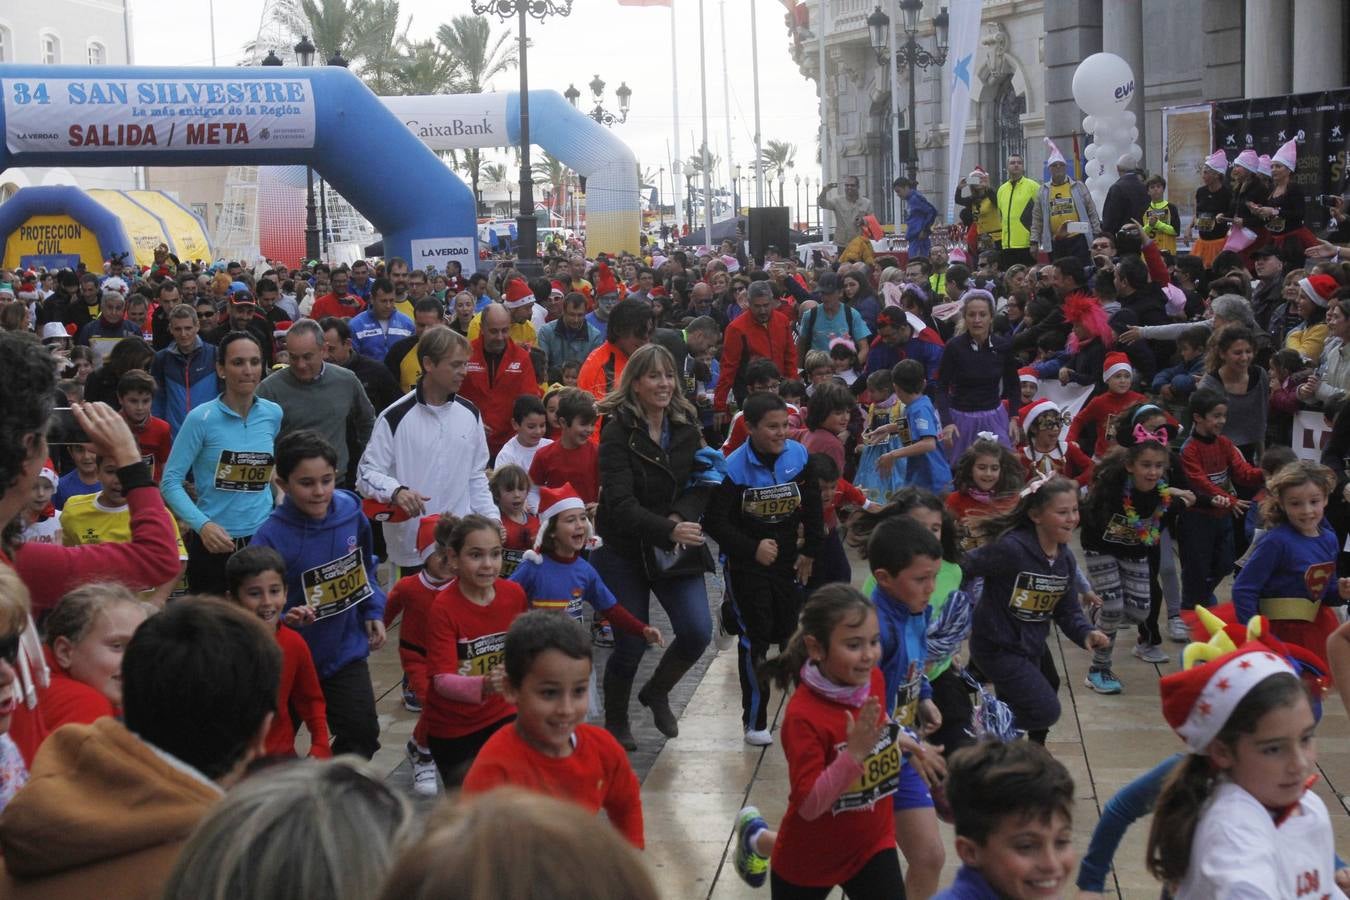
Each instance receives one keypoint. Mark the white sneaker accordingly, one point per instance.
(1177, 630)
(1151, 653)
(424, 772)
(757, 737)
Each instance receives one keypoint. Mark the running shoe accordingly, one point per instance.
(410, 701)
(424, 772)
(758, 737)
(1103, 681)
(602, 635)
(1151, 653)
(749, 864)
(1177, 630)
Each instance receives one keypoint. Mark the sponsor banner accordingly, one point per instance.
(436, 252)
(452, 122)
(156, 114)
(1187, 142)
(1320, 124)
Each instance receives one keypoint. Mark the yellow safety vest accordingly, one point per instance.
(1012, 200)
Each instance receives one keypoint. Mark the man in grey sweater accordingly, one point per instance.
(328, 399)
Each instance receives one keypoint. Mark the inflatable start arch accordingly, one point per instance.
(131, 115)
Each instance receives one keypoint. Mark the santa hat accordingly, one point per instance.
(1263, 165)
(1248, 160)
(1198, 701)
(518, 294)
(114, 284)
(48, 471)
(279, 330)
(1287, 155)
(958, 255)
(1028, 375)
(556, 290)
(732, 263)
(1034, 410)
(605, 282)
(426, 537)
(978, 176)
(1115, 363)
(1318, 288)
(1217, 161)
(553, 501)
(1052, 154)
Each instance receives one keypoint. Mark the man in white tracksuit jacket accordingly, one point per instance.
(428, 453)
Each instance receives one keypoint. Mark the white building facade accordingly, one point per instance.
(1182, 52)
(70, 33)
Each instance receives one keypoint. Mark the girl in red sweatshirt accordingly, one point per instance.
(844, 756)
(466, 637)
(85, 635)
(987, 478)
(1096, 422)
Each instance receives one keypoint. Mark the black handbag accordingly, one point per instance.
(680, 561)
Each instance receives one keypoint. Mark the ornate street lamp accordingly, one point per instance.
(913, 55)
(527, 226)
(880, 25)
(271, 59)
(599, 113)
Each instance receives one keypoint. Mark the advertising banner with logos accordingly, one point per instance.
(156, 114)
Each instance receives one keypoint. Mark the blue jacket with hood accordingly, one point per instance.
(308, 545)
(904, 642)
(184, 382)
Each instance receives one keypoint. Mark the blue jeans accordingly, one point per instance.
(685, 601)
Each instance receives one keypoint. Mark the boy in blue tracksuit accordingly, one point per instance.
(754, 515)
(333, 596)
(919, 432)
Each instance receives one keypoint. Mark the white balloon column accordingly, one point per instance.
(1103, 86)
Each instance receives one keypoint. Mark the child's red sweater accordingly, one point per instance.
(299, 690)
(1067, 459)
(833, 847)
(1212, 464)
(464, 638)
(1101, 412)
(155, 441)
(67, 701)
(595, 776)
(553, 466)
(413, 596)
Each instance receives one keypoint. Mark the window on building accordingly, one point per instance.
(51, 50)
(98, 54)
(1009, 107)
(6, 54)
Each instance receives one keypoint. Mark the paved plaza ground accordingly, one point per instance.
(693, 786)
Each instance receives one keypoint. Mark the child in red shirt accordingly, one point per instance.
(574, 458)
(511, 492)
(844, 756)
(1100, 413)
(549, 748)
(135, 391)
(1043, 453)
(466, 634)
(413, 596)
(986, 479)
(255, 578)
(85, 635)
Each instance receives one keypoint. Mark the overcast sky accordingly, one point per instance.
(619, 43)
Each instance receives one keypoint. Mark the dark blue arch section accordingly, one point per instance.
(360, 147)
(63, 200)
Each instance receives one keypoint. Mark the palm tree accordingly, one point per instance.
(778, 157)
(468, 41)
(380, 44)
(495, 172)
(423, 69)
(550, 171)
(363, 32)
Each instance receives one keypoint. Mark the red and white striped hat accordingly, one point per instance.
(1115, 363)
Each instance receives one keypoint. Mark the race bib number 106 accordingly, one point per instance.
(241, 470)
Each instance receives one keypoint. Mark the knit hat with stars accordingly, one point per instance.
(1198, 701)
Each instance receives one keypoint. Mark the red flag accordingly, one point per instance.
(644, 2)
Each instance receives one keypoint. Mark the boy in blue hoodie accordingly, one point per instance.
(331, 588)
(905, 556)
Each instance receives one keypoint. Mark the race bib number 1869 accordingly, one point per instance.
(880, 776)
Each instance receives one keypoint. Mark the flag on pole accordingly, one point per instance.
(964, 38)
(1078, 164)
(644, 2)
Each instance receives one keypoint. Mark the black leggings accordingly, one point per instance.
(206, 570)
(879, 879)
(454, 756)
